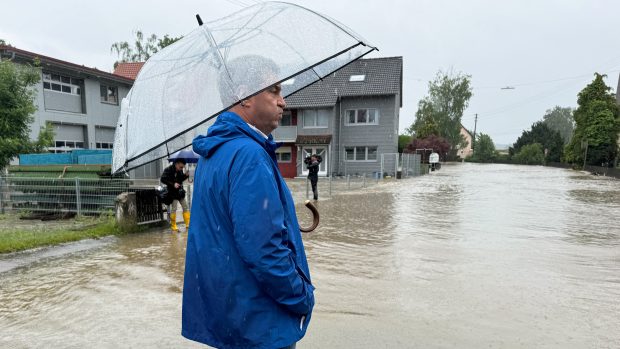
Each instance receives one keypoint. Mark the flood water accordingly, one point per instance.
(471, 256)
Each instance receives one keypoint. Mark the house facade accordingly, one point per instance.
(466, 150)
(350, 119)
(82, 103)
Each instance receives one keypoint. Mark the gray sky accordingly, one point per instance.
(547, 49)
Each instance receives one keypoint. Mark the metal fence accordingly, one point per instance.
(55, 195)
(91, 196)
(401, 165)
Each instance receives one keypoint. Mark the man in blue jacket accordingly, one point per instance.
(247, 283)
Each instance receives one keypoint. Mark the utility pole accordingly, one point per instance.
(473, 141)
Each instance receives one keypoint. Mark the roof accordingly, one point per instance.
(128, 69)
(13, 52)
(383, 76)
(466, 130)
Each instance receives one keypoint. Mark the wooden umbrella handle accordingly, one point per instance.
(315, 217)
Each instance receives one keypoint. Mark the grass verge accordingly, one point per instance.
(19, 239)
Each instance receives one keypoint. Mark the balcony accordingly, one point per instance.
(285, 134)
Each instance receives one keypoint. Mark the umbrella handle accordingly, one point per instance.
(315, 217)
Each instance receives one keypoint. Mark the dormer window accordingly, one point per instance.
(353, 78)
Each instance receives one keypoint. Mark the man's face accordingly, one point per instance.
(179, 166)
(266, 109)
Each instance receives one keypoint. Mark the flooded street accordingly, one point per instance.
(471, 256)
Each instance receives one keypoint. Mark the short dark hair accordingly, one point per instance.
(249, 71)
(180, 160)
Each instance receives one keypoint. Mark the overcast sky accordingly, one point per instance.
(547, 49)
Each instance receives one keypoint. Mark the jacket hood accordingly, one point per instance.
(228, 126)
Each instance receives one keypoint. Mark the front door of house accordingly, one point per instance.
(318, 150)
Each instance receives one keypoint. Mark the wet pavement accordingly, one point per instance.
(470, 256)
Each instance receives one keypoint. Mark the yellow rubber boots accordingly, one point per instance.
(186, 219)
(173, 222)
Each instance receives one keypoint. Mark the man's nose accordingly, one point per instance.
(281, 102)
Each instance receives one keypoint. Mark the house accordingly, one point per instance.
(349, 118)
(82, 103)
(465, 150)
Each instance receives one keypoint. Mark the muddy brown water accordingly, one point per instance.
(471, 256)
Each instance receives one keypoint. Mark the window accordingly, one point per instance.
(104, 145)
(61, 83)
(360, 153)
(68, 145)
(283, 154)
(353, 78)
(287, 119)
(109, 94)
(362, 117)
(315, 118)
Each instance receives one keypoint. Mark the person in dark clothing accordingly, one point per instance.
(313, 175)
(173, 178)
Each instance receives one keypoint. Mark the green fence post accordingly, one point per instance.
(78, 201)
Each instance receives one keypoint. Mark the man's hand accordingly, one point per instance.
(177, 185)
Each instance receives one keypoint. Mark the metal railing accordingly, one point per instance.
(285, 134)
(53, 195)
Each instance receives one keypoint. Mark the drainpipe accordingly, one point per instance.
(339, 130)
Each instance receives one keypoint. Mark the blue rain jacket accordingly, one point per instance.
(247, 283)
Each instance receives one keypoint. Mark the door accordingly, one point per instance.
(318, 150)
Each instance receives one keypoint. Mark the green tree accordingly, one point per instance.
(425, 124)
(530, 154)
(561, 120)
(142, 49)
(540, 133)
(441, 111)
(44, 140)
(17, 97)
(597, 123)
(3, 42)
(403, 140)
(484, 149)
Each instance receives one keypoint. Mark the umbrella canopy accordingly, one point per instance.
(186, 154)
(182, 88)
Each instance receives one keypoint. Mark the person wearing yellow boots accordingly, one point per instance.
(173, 178)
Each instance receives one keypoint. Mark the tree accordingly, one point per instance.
(142, 49)
(17, 97)
(484, 149)
(597, 123)
(44, 140)
(530, 154)
(424, 125)
(438, 144)
(561, 120)
(3, 42)
(441, 111)
(540, 133)
(403, 140)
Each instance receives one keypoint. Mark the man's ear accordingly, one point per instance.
(241, 92)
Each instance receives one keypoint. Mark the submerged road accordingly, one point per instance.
(470, 256)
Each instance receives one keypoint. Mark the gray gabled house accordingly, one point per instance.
(82, 103)
(350, 118)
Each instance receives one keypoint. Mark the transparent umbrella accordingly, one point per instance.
(181, 89)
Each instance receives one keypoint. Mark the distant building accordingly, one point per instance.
(465, 150)
(82, 103)
(350, 119)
